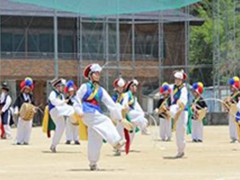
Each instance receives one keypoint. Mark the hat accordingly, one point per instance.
(180, 75)
(132, 82)
(119, 82)
(90, 69)
(5, 86)
(57, 81)
(27, 83)
(234, 82)
(70, 86)
(198, 87)
(165, 88)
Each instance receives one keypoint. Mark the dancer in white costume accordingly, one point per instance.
(197, 104)
(234, 87)
(100, 127)
(24, 127)
(165, 126)
(5, 112)
(118, 98)
(59, 111)
(238, 107)
(179, 99)
(72, 130)
(136, 114)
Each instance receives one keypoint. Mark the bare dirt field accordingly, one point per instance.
(150, 159)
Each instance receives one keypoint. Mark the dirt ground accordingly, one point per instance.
(215, 158)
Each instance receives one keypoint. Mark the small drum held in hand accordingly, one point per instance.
(27, 111)
(75, 118)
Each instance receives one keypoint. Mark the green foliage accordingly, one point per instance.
(219, 34)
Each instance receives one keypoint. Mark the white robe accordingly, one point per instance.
(99, 125)
(183, 118)
(136, 114)
(58, 115)
(5, 108)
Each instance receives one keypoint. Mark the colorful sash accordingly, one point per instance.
(92, 98)
(131, 100)
(118, 98)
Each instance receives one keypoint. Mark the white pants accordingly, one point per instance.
(232, 128)
(99, 127)
(181, 131)
(197, 130)
(120, 130)
(165, 128)
(24, 129)
(138, 119)
(72, 131)
(60, 126)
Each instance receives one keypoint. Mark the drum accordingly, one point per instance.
(164, 112)
(233, 108)
(201, 114)
(75, 118)
(27, 111)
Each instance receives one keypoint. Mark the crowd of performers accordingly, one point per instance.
(78, 112)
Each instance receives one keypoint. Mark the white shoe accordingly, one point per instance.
(168, 139)
(93, 167)
(9, 137)
(145, 132)
(180, 155)
(119, 145)
(53, 149)
(233, 140)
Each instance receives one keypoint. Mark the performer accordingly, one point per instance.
(238, 111)
(178, 110)
(197, 104)
(59, 110)
(234, 87)
(118, 98)
(24, 127)
(162, 109)
(71, 127)
(136, 114)
(100, 127)
(5, 112)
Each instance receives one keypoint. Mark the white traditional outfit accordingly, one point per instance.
(234, 83)
(24, 128)
(165, 125)
(136, 113)
(59, 112)
(72, 129)
(118, 98)
(5, 105)
(179, 95)
(100, 127)
(198, 103)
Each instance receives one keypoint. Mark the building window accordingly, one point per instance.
(6, 42)
(18, 43)
(33, 43)
(46, 42)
